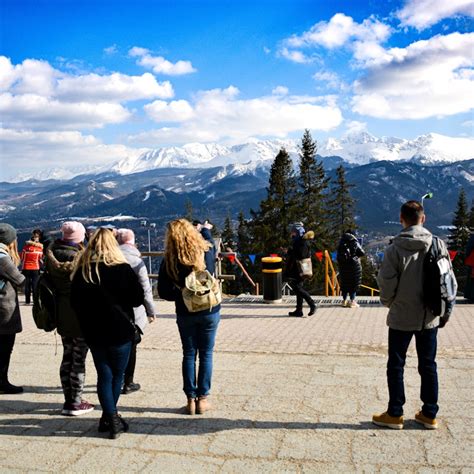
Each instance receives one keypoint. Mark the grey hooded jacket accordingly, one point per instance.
(400, 280)
(134, 259)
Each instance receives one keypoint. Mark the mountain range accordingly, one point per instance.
(220, 180)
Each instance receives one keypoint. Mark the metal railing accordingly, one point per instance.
(330, 276)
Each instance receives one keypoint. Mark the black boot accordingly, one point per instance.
(104, 424)
(130, 387)
(6, 388)
(296, 312)
(312, 310)
(116, 426)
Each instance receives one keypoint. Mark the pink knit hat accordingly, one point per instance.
(125, 236)
(73, 231)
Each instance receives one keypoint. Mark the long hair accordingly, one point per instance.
(102, 248)
(12, 250)
(184, 245)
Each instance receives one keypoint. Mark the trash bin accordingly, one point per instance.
(272, 279)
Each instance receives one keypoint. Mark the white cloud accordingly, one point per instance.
(330, 79)
(422, 14)
(175, 111)
(34, 151)
(432, 78)
(220, 115)
(295, 56)
(159, 64)
(41, 113)
(111, 50)
(112, 87)
(468, 124)
(340, 30)
(354, 127)
(280, 90)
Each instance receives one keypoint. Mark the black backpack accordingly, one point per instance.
(44, 304)
(344, 252)
(439, 283)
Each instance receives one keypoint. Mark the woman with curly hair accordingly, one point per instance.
(187, 251)
(104, 292)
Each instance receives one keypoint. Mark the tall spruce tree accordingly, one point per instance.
(471, 217)
(228, 235)
(312, 197)
(341, 205)
(460, 230)
(270, 224)
(188, 210)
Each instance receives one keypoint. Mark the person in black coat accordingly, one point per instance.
(469, 288)
(104, 292)
(349, 252)
(299, 250)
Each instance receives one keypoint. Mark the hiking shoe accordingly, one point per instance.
(130, 387)
(353, 304)
(428, 423)
(202, 405)
(392, 422)
(298, 313)
(77, 409)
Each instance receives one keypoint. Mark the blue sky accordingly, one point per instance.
(93, 81)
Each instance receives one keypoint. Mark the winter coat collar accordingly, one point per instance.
(415, 238)
(34, 244)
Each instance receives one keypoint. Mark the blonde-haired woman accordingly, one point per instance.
(10, 319)
(187, 251)
(104, 292)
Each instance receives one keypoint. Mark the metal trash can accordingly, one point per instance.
(272, 279)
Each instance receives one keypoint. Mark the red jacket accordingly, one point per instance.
(31, 255)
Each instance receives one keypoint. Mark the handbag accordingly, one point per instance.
(305, 267)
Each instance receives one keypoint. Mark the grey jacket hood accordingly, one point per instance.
(415, 239)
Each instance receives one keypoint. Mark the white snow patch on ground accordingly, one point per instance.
(147, 196)
(65, 195)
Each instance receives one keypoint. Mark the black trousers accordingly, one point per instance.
(130, 370)
(301, 294)
(31, 279)
(7, 342)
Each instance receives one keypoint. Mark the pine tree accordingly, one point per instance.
(243, 235)
(188, 210)
(228, 235)
(270, 224)
(341, 205)
(460, 230)
(313, 183)
(471, 217)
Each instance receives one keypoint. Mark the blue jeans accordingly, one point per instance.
(110, 362)
(346, 294)
(198, 334)
(426, 343)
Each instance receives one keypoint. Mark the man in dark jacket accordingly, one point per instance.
(400, 281)
(299, 250)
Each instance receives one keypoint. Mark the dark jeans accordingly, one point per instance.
(7, 342)
(110, 362)
(301, 294)
(346, 294)
(132, 362)
(198, 334)
(31, 278)
(426, 343)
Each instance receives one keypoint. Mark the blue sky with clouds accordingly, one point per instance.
(92, 81)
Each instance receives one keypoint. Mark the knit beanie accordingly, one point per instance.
(125, 236)
(73, 231)
(7, 233)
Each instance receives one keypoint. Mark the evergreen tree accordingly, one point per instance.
(188, 210)
(228, 236)
(243, 235)
(341, 205)
(460, 230)
(270, 224)
(471, 217)
(313, 183)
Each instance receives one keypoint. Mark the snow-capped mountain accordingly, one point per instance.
(355, 148)
(362, 148)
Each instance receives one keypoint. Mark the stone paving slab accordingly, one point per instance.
(288, 395)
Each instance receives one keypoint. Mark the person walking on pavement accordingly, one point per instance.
(59, 264)
(31, 260)
(299, 250)
(187, 251)
(400, 281)
(349, 252)
(104, 292)
(143, 314)
(469, 287)
(10, 320)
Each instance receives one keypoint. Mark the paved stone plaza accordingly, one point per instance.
(289, 395)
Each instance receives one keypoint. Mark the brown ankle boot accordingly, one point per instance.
(202, 405)
(191, 406)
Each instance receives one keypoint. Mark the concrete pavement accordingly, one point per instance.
(289, 395)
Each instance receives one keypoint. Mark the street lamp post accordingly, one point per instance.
(148, 226)
(428, 195)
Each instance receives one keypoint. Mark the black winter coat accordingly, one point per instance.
(298, 250)
(105, 310)
(350, 269)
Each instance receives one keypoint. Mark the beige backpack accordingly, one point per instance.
(201, 291)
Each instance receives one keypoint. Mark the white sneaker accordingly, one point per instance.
(344, 303)
(353, 304)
